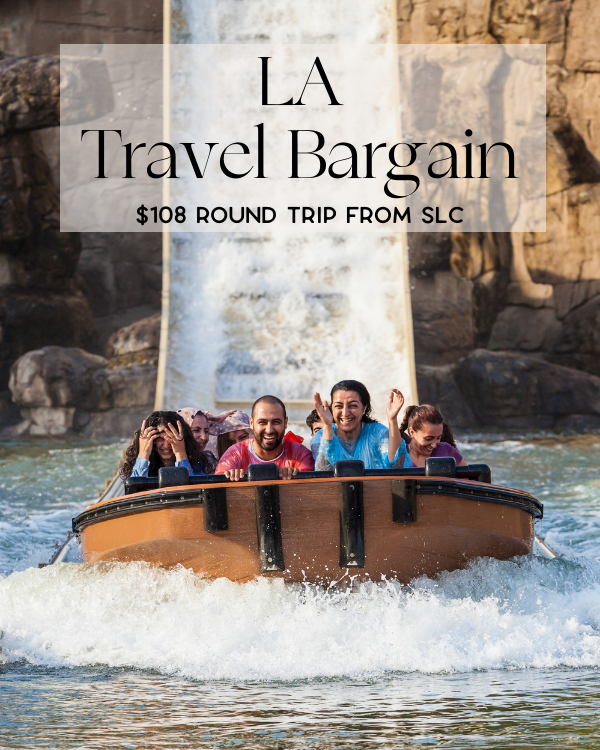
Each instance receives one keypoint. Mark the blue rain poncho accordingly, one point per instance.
(371, 448)
(141, 466)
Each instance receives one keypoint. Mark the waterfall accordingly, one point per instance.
(266, 312)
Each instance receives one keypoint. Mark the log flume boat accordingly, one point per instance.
(320, 527)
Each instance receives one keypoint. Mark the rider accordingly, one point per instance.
(428, 435)
(313, 422)
(350, 433)
(268, 422)
(163, 440)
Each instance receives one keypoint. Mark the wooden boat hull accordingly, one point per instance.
(450, 523)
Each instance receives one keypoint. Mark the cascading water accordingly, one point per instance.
(282, 313)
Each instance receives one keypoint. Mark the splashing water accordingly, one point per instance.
(254, 313)
(514, 614)
(493, 615)
(214, 650)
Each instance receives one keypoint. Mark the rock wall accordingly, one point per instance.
(41, 301)
(507, 326)
(68, 392)
(491, 390)
(533, 294)
(119, 274)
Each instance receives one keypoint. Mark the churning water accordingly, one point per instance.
(502, 654)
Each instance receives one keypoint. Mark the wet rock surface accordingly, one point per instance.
(68, 392)
(511, 391)
(514, 391)
(437, 385)
(578, 344)
(442, 320)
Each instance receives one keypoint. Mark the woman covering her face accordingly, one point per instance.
(350, 433)
(164, 439)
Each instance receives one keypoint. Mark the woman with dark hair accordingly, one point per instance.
(350, 433)
(233, 429)
(427, 435)
(199, 422)
(163, 440)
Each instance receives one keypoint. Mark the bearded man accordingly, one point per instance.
(268, 423)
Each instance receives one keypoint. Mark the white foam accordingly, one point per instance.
(494, 615)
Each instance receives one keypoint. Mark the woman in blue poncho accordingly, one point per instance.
(349, 432)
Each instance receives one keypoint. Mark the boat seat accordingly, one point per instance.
(140, 484)
(173, 476)
(476, 472)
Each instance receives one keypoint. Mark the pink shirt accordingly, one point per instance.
(239, 456)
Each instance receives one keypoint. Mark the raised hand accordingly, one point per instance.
(147, 436)
(325, 416)
(175, 437)
(323, 409)
(394, 405)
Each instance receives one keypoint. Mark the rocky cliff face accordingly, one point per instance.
(534, 294)
(40, 301)
(59, 289)
(119, 274)
(507, 326)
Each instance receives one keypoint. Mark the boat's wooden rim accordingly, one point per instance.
(192, 494)
(228, 484)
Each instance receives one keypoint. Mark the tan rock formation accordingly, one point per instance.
(67, 392)
(527, 288)
(136, 342)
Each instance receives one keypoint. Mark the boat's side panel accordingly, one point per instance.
(449, 532)
(173, 536)
(116, 533)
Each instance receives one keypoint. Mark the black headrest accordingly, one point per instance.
(140, 484)
(262, 472)
(348, 469)
(445, 466)
(173, 476)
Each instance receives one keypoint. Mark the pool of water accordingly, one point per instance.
(500, 655)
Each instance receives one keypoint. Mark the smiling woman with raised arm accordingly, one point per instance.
(163, 440)
(350, 433)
